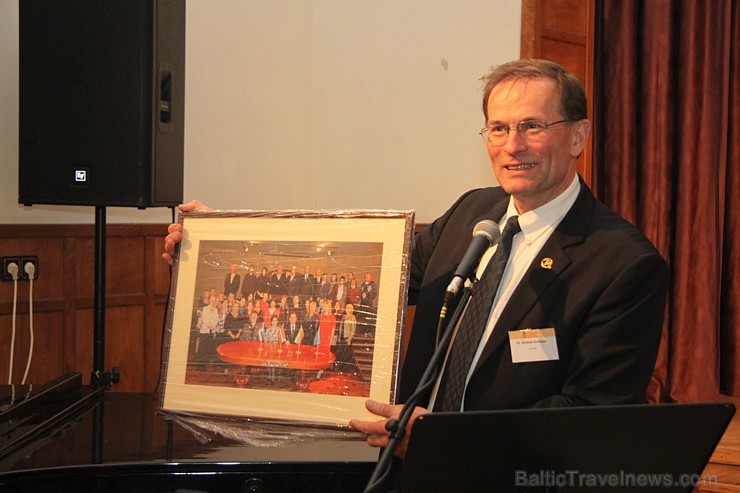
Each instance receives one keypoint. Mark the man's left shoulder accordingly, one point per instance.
(609, 235)
(599, 223)
(611, 222)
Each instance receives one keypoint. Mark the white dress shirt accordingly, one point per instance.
(537, 226)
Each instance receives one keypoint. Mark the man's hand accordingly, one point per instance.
(174, 230)
(377, 435)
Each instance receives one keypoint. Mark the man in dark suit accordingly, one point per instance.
(232, 282)
(294, 282)
(590, 283)
(249, 284)
(278, 282)
(323, 287)
(292, 328)
(307, 283)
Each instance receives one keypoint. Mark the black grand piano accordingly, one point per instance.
(66, 437)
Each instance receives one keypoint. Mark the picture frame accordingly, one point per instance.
(235, 352)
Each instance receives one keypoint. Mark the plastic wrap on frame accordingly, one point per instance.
(222, 375)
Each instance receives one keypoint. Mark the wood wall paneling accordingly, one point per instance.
(137, 283)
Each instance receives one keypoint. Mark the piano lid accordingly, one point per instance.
(117, 441)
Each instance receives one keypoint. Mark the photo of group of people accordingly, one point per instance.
(286, 315)
(260, 322)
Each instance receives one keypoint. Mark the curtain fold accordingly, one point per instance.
(666, 158)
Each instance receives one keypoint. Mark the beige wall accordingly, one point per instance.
(314, 104)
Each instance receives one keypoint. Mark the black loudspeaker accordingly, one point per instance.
(102, 99)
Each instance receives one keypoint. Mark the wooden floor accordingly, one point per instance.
(724, 464)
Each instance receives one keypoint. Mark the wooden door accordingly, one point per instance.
(563, 31)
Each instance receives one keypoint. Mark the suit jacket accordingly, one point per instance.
(292, 334)
(323, 290)
(231, 286)
(306, 285)
(368, 292)
(604, 295)
(249, 284)
(278, 284)
(295, 284)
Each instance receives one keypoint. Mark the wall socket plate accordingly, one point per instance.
(20, 261)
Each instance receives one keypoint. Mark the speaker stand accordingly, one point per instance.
(100, 377)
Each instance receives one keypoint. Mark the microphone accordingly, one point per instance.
(485, 234)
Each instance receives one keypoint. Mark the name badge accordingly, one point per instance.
(529, 345)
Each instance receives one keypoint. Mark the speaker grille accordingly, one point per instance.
(89, 102)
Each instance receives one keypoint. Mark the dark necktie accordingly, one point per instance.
(473, 323)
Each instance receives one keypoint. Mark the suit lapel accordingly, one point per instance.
(549, 263)
(494, 214)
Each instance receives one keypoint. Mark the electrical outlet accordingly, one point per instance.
(20, 261)
(6, 262)
(22, 265)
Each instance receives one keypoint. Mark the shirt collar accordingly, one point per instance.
(536, 222)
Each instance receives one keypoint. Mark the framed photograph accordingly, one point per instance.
(286, 316)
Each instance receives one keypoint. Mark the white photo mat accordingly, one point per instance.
(391, 230)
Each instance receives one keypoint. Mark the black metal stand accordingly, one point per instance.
(397, 427)
(100, 377)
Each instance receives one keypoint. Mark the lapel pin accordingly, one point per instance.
(546, 263)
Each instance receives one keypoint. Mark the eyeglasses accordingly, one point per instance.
(529, 130)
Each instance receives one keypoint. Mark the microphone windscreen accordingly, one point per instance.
(489, 229)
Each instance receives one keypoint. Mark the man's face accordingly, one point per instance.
(534, 171)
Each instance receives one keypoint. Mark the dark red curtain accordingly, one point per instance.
(667, 157)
